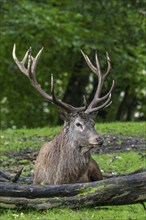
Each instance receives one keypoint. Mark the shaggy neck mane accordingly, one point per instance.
(72, 160)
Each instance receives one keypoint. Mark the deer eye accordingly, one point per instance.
(79, 125)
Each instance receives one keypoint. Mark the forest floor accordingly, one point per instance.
(123, 151)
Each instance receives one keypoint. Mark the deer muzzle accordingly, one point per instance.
(96, 141)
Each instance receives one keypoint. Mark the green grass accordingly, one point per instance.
(16, 140)
(111, 163)
(118, 163)
(129, 212)
(123, 128)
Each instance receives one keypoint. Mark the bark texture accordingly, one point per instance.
(130, 189)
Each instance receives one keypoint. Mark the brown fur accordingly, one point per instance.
(59, 162)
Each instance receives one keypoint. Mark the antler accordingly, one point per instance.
(101, 78)
(30, 73)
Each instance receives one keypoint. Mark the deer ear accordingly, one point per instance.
(64, 115)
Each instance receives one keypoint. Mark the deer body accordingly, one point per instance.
(67, 158)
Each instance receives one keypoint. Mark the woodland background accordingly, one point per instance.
(63, 28)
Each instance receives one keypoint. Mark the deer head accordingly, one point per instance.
(79, 121)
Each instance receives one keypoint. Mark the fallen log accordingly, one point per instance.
(28, 180)
(123, 190)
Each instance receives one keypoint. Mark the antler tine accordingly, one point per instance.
(109, 65)
(101, 78)
(30, 73)
(52, 90)
(98, 65)
(97, 71)
(36, 60)
(110, 91)
(91, 66)
(108, 105)
(20, 64)
(104, 105)
(25, 57)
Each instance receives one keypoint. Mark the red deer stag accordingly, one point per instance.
(67, 158)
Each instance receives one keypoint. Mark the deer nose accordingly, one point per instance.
(100, 140)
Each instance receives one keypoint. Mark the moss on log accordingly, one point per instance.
(124, 190)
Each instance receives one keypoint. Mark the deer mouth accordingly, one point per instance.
(98, 143)
(87, 148)
(95, 145)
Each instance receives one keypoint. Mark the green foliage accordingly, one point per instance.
(63, 28)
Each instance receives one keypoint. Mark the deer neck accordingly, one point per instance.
(73, 161)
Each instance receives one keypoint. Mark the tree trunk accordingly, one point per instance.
(127, 106)
(122, 105)
(130, 108)
(130, 189)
